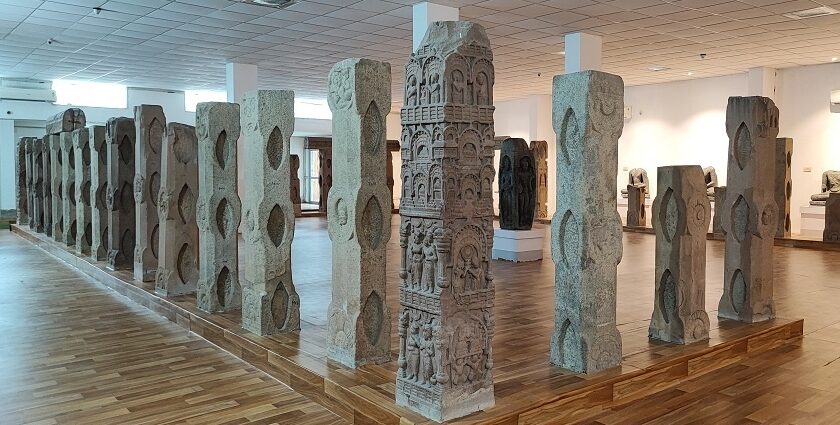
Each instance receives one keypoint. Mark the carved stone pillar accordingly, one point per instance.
(45, 174)
(57, 205)
(66, 121)
(270, 303)
(831, 233)
(69, 188)
(177, 269)
(359, 214)
(294, 183)
(720, 200)
(539, 148)
(517, 185)
(636, 213)
(681, 215)
(750, 210)
(447, 293)
(219, 209)
(783, 187)
(36, 207)
(151, 130)
(98, 192)
(586, 229)
(324, 176)
(120, 202)
(81, 150)
(23, 179)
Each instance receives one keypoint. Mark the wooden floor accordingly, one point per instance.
(807, 286)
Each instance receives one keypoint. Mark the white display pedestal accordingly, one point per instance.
(812, 220)
(519, 245)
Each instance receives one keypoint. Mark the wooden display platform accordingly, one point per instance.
(527, 388)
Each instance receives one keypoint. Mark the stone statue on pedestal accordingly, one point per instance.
(830, 184)
(710, 176)
(517, 186)
(638, 178)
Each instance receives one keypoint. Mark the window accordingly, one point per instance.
(312, 108)
(86, 93)
(310, 187)
(193, 97)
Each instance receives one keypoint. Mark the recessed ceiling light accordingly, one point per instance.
(561, 53)
(834, 59)
(690, 73)
(811, 13)
(657, 68)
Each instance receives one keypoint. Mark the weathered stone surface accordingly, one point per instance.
(270, 303)
(120, 138)
(177, 269)
(750, 210)
(830, 184)
(517, 186)
(57, 205)
(447, 293)
(45, 173)
(23, 180)
(98, 192)
(710, 176)
(586, 229)
(325, 179)
(783, 185)
(151, 130)
(84, 228)
(219, 210)
(67, 121)
(681, 215)
(539, 148)
(37, 205)
(294, 183)
(831, 233)
(636, 212)
(359, 214)
(638, 178)
(720, 200)
(69, 188)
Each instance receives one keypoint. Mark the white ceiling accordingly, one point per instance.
(184, 44)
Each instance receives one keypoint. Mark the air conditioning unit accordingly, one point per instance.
(31, 90)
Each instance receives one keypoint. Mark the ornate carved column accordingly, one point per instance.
(325, 178)
(57, 204)
(120, 202)
(447, 294)
(151, 130)
(69, 188)
(98, 192)
(517, 186)
(23, 180)
(81, 150)
(46, 185)
(783, 187)
(539, 148)
(36, 206)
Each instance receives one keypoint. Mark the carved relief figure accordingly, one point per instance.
(517, 186)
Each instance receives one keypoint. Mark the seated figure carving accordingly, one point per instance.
(830, 184)
(710, 176)
(637, 178)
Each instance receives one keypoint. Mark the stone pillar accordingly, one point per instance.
(681, 214)
(177, 269)
(447, 293)
(270, 303)
(294, 183)
(219, 209)
(66, 121)
(517, 186)
(81, 150)
(636, 213)
(46, 185)
(720, 200)
(98, 192)
(586, 242)
(120, 138)
(783, 185)
(539, 148)
(69, 188)
(359, 214)
(23, 181)
(150, 125)
(36, 208)
(750, 210)
(57, 206)
(324, 177)
(831, 233)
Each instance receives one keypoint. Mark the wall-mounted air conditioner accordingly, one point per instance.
(26, 89)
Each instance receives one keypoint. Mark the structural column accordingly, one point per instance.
(23, 181)
(240, 78)
(270, 303)
(120, 135)
(69, 188)
(98, 192)
(150, 125)
(219, 209)
(446, 324)
(750, 210)
(586, 229)
(359, 213)
(424, 15)
(583, 52)
(81, 149)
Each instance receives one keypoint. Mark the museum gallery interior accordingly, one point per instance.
(403, 212)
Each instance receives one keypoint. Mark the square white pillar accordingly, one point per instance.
(239, 78)
(583, 52)
(424, 14)
(761, 81)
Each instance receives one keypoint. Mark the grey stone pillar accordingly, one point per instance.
(219, 209)
(46, 185)
(98, 192)
(57, 206)
(270, 303)
(177, 270)
(750, 210)
(23, 180)
(720, 200)
(84, 229)
(36, 208)
(681, 215)
(150, 125)
(636, 212)
(831, 233)
(517, 186)
(120, 138)
(539, 148)
(66, 121)
(586, 229)
(783, 187)
(447, 293)
(69, 189)
(325, 179)
(294, 183)
(359, 213)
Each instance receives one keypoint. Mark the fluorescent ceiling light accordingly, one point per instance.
(658, 68)
(811, 13)
(277, 4)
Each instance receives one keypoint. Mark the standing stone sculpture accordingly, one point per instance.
(710, 175)
(36, 207)
(750, 211)
(359, 214)
(270, 303)
(177, 269)
(586, 229)
(45, 175)
(517, 186)
(831, 233)
(81, 150)
(69, 188)
(636, 211)
(23, 181)
(720, 200)
(783, 184)
(638, 178)
(539, 149)
(151, 129)
(57, 205)
(325, 179)
(66, 121)
(294, 183)
(830, 184)
(120, 138)
(446, 322)
(681, 213)
(219, 209)
(98, 192)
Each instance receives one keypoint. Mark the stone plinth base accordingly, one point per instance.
(812, 220)
(519, 245)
